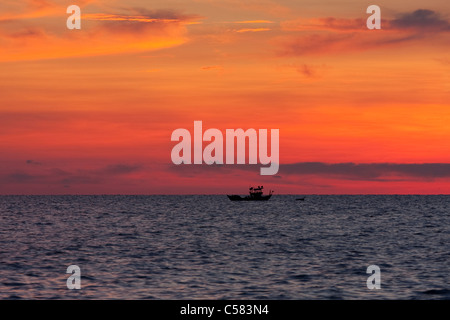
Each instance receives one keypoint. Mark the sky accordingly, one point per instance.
(91, 111)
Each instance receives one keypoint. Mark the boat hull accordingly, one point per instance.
(248, 198)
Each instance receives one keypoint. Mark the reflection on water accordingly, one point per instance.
(207, 247)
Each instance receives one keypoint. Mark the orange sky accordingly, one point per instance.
(91, 111)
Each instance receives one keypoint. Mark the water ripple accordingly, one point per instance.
(206, 247)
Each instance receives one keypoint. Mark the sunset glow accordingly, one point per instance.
(91, 111)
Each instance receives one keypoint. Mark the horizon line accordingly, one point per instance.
(224, 194)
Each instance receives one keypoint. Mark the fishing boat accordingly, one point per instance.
(255, 194)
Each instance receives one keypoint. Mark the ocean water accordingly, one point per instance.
(207, 247)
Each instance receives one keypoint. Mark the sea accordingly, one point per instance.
(208, 247)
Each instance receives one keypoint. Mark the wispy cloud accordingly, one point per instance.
(208, 68)
(11, 10)
(58, 177)
(369, 171)
(34, 163)
(422, 20)
(119, 169)
(329, 34)
(254, 22)
(252, 30)
(382, 172)
(306, 71)
(324, 24)
(147, 16)
(116, 17)
(134, 31)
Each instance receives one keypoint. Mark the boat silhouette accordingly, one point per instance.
(255, 194)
